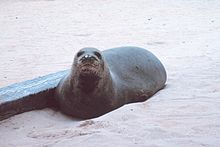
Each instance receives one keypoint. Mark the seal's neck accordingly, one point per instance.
(88, 83)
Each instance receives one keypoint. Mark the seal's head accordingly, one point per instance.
(88, 68)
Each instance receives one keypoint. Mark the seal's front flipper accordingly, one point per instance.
(29, 95)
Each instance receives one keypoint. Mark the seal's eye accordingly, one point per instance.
(98, 55)
(80, 53)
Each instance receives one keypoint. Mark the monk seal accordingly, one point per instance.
(100, 82)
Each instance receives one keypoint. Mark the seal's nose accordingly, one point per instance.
(88, 58)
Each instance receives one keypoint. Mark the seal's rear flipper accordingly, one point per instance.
(29, 95)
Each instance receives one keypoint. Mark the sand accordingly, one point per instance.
(39, 37)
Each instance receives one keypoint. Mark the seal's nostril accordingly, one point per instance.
(87, 56)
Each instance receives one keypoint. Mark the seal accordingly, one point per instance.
(100, 82)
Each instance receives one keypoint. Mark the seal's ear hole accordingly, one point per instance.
(80, 53)
(98, 55)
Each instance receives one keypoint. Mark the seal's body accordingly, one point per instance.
(99, 82)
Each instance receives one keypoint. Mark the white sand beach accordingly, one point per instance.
(38, 37)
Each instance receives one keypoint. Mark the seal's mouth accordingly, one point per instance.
(89, 65)
(89, 69)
